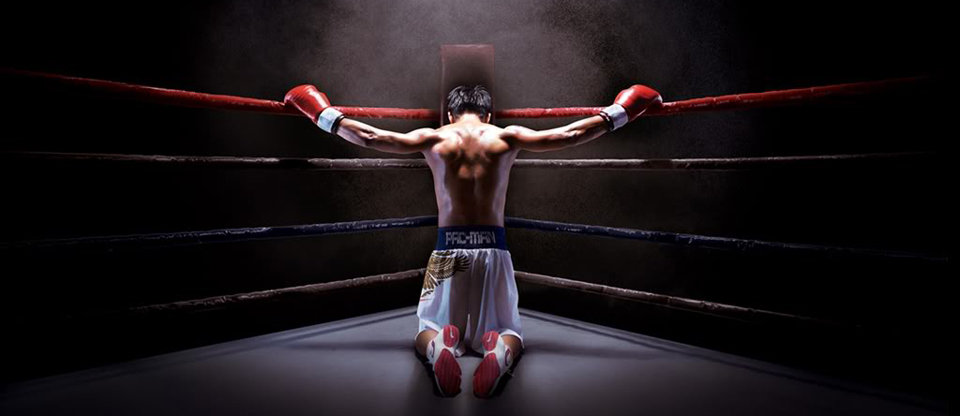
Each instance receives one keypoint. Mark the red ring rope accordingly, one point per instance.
(725, 102)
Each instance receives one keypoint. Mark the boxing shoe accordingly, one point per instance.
(497, 359)
(441, 354)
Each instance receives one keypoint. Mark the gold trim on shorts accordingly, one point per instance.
(443, 264)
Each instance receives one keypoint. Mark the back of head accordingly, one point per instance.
(465, 99)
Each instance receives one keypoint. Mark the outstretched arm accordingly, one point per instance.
(628, 105)
(314, 104)
(558, 138)
(365, 135)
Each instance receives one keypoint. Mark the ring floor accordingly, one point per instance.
(366, 365)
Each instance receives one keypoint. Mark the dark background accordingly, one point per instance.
(548, 54)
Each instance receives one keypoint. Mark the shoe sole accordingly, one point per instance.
(488, 372)
(447, 370)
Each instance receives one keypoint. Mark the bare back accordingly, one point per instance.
(471, 159)
(471, 168)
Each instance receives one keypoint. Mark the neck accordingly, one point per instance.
(469, 118)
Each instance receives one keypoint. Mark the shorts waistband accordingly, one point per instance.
(471, 236)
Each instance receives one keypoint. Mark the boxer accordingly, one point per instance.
(469, 282)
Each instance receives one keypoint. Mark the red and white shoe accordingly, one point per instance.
(441, 354)
(497, 359)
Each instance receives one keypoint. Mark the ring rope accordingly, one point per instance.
(705, 241)
(421, 164)
(226, 235)
(174, 97)
(299, 292)
(154, 240)
(701, 306)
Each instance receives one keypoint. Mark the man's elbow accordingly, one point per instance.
(370, 143)
(367, 139)
(389, 144)
(570, 138)
(557, 142)
(382, 145)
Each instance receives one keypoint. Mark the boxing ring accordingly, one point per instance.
(569, 367)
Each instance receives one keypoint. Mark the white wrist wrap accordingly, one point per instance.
(328, 118)
(617, 115)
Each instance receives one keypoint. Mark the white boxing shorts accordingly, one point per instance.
(469, 283)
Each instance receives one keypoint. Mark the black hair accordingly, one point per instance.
(464, 99)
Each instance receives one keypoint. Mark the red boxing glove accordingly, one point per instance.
(314, 104)
(630, 104)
